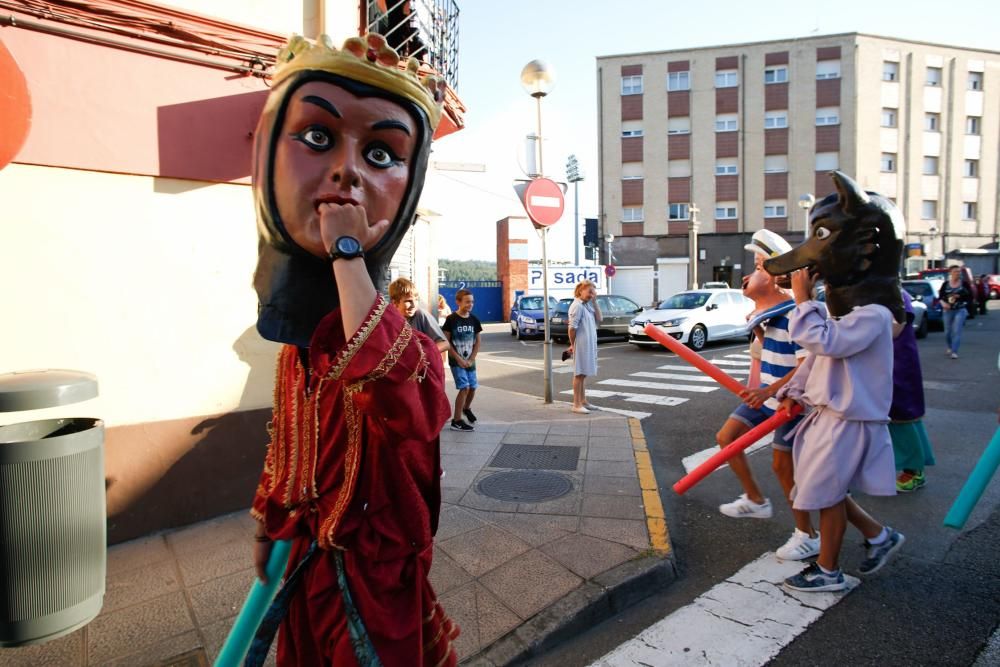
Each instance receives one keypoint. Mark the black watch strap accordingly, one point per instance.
(346, 247)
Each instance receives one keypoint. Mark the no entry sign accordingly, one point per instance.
(543, 200)
(610, 270)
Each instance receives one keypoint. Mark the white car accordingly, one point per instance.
(695, 317)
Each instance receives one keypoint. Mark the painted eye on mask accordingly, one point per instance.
(316, 138)
(822, 233)
(381, 157)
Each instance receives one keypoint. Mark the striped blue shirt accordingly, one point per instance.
(779, 355)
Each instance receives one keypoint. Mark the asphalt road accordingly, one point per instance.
(937, 603)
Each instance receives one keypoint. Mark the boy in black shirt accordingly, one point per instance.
(462, 329)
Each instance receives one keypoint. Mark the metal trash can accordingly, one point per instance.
(53, 528)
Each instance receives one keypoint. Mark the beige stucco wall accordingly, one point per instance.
(144, 282)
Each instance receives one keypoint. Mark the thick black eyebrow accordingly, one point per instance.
(391, 124)
(322, 104)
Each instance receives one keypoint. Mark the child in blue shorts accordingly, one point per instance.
(779, 359)
(462, 329)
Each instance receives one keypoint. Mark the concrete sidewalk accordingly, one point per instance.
(551, 521)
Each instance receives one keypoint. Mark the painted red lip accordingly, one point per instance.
(333, 199)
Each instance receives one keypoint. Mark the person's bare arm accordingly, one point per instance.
(597, 311)
(354, 285)
(756, 397)
(475, 349)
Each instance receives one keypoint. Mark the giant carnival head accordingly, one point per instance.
(341, 126)
(855, 244)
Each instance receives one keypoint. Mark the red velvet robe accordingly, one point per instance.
(354, 463)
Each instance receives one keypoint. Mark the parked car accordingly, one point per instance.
(920, 317)
(695, 317)
(527, 315)
(993, 284)
(616, 315)
(923, 291)
(942, 275)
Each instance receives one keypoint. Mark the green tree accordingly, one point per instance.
(455, 269)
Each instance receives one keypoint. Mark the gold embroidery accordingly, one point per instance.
(420, 372)
(447, 655)
(351, 464)
(437, 638)
(359, 338)
(298, 374)
(392, 356)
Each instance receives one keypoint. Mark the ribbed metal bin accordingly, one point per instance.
(53, 536)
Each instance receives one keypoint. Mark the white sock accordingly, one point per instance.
(826, 571)
(882, 537)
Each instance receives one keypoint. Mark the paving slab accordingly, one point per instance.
(517, 577)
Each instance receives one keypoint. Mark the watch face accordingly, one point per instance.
(348, 245)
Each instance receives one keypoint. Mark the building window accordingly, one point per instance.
(726, 167)
(890, 71)
(775, 164)
(632, 85)
(888, 162)
(975, 80)
(827, 161)
(725, 212)
(631, 178)
(933, 76)
(828, 116)
(679, 125)
(726, 123)
(631, 133)
(930, 165)
(679, 81)
(932, 122)
(828, 69)
(775, 119)
(775, 211)
(970, 169)
(972, 124)
(928, 209)
(968, 210)
(679, 212)
(632, 214)
(727, 79)
(775, 74)
(888, 118)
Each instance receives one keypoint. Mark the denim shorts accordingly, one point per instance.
(465, 378)
(750, 418)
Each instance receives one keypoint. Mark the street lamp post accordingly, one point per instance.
(574, 175)
(806, 202)
(537, 78)
(693, 225)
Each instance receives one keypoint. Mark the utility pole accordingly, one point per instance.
(693, 211)
(574, 175)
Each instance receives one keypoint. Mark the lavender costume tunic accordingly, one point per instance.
(843, 443)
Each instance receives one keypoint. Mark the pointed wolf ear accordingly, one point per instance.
(850, 196)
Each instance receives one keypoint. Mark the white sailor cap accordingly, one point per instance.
(767, 243)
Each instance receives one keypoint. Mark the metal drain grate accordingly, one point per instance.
(536, 457)
(525, 486)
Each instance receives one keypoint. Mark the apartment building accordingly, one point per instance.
(743, 136)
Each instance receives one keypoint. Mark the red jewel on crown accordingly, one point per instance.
(372, 55)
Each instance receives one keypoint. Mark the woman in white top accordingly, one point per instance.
(584, 315)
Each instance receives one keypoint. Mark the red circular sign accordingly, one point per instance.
(610, 270)
(543, 200)
(15, 107)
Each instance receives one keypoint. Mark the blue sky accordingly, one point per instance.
(498, 39)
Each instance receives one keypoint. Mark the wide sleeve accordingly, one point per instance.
(575, 315)
(395, 376)
(796, 387)
(809, 326)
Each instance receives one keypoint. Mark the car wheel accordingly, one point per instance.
(922, 330)
(698, 338)
(520, 336)
(513, 329)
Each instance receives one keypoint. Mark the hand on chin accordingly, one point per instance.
(336, 220)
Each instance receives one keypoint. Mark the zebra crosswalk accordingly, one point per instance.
(668, 385)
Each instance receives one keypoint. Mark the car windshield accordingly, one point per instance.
(685, 301)
(562, 308)
(918, 289)
(534, 303)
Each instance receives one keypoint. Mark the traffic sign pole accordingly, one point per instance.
(547, 355)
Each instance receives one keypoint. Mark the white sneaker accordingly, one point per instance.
(799, 546)
(744, 508)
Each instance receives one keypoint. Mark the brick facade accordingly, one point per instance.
(775, 97)
(776, 141)
(828, 92)
(776, 186)
(632, 192)
(678, 103)
(679, 190)
(631, 107)
(678, 146)
(727, 100)
(827, 138)
(727, 188)
(632, 149)
(727, 144)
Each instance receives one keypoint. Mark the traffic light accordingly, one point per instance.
(590, 237)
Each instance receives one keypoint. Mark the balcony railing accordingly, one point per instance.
(424, 29)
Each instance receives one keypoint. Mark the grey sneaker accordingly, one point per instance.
(814, 580)
(799, 546)
(878, 554)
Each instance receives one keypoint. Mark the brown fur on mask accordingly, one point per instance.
(855, 245)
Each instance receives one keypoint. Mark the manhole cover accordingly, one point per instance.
(536, 457)
(525, 486)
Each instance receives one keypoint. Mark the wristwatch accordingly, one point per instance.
(346, 247)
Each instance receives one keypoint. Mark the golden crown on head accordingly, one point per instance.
(367, 59)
